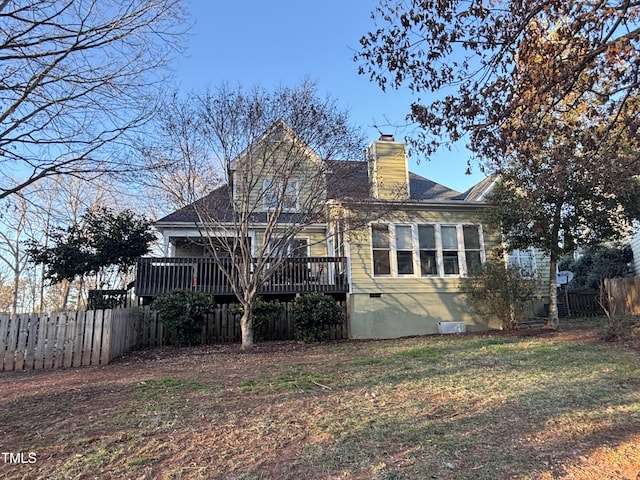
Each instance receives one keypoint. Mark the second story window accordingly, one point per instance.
(280, 194)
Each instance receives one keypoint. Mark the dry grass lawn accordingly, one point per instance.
(530, 405)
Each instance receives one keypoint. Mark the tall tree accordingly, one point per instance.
(15, 228)
(486, 62)
(574, 183)
(76, 77)
(180, 169)
(548, 95)
(273, 150)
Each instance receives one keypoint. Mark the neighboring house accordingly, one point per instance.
(635, 248)
(395, 253)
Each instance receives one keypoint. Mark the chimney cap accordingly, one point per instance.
(386, 137)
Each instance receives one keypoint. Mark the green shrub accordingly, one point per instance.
(264, 312)
(313, 314)
(184, 313)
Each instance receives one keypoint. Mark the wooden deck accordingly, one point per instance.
(158, 275)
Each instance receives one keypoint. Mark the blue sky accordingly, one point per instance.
(280, 42)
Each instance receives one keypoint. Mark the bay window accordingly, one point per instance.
(401, 250)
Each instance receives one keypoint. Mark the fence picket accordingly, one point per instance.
(96, 341)
(58, 350)
(50, 341)
(116, 334)
(78, 339)
(38, 356)
(69, 341)
(12, 338)
(105, 340)
(4, 331)
(23, 333)
(87, 338)
(31, 342)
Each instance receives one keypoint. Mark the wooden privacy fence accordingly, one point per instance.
(75, 339)
(584, 303)
(623, 295)
(67, 339)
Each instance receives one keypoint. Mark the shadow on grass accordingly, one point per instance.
(487, 409)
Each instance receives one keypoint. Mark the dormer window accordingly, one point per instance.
(279, 194)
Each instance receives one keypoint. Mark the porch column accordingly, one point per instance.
(168, 249)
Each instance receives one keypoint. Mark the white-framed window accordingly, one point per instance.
(428, 250)
(404, 249)
(381, 249)
(524, 259)
(296, 247)
(472, 247)
(425, 250)
(282, 193)
(450, 249)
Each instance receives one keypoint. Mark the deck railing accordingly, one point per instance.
(155, 276)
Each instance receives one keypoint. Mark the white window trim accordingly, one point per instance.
(531, 253)
(394, 250)
(417, 270)
(371, 248)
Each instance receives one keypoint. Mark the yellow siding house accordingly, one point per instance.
(392, 245)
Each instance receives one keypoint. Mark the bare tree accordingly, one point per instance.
(76, 77)
(13, 255)
(30, 216)
(274, 150)
(180, 169)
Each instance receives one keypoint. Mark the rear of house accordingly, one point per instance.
(395, 253)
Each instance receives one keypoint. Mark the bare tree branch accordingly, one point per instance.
(77, 77)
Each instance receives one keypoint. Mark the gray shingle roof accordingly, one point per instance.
(350, 179)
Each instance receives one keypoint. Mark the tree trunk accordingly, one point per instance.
(246, 321)
(66, 286)
(246, 327)
(16, 290)
(552, 317)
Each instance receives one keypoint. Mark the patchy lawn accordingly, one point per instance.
(530, 405)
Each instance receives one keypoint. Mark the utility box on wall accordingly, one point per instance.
(452, 327)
